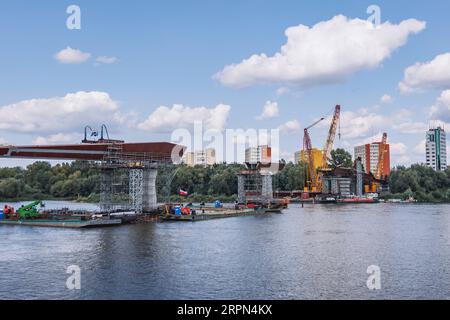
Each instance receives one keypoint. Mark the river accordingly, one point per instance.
(315, 252)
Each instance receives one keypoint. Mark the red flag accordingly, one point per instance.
(183, 193)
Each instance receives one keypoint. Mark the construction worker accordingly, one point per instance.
(8, 212)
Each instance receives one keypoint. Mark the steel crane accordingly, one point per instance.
(329, 145)
(379, 173)
(307, 148)
(315, 178)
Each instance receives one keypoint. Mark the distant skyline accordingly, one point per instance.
(147, 68)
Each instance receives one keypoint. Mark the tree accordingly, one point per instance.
(422, 182)
(9, 188)
(292, 177)
(340, 158)
(38, 176)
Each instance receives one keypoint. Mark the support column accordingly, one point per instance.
(241, 190)
(149, 201)
(266, 188)
(359, 178)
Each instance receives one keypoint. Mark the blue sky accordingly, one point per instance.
(167, 52)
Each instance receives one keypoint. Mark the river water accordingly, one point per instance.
(315, 252)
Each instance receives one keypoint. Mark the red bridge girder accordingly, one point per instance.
(156, 151)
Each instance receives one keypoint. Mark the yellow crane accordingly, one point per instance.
(314, 183)
(329, 145)
(311, 183)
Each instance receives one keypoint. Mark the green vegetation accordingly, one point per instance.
(420, 182)
(202, 184)
(292, 177)
(219, 182)
(42, 181)
(79, 181)
(340, 158)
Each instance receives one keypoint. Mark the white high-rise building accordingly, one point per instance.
(205, 158)
(257, 154)
(360, 152)
(436, 149)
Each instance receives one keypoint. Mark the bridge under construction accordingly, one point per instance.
(127, 170)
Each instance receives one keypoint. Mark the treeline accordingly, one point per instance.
(420, 182)
(201, 183)
(42, 181)
(81, 181)
(219, 181)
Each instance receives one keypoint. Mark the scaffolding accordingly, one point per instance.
(254, 185)
(136, 188)
(128, 180)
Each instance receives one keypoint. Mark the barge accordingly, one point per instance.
(30, 215)
(74, 224)
(212, 213)
(357, 200)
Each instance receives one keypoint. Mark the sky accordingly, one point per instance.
(148, 68)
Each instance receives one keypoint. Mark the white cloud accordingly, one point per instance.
(270, 110)
(72, 56)
(328, 52)
(434, 74)
(61, 114)
(373, 138)
(3, 141)
(165, 119)
(410, 127)
(399, 154)
(364, 122)
(386, 99)
(282, 90)
(106, 60)
(58, 138)
(286, 155)
(360, 123)
(398, 148)
(440, 111)
(420, 148)
(290, 127)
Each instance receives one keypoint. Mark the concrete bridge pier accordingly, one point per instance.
(149, 199)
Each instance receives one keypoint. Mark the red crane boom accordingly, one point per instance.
(379, 173)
